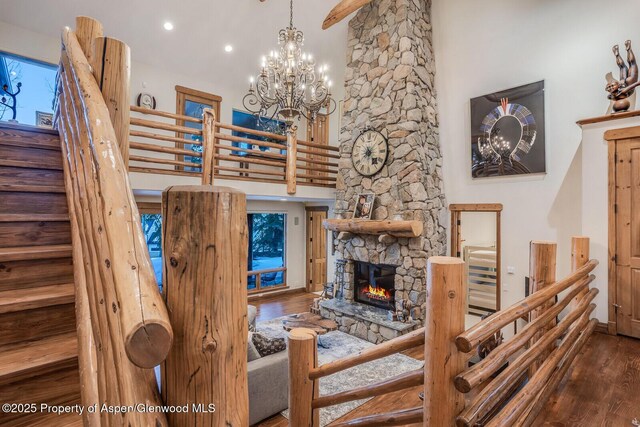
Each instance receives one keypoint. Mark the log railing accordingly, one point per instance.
(122, 323)
(226, 151)
(509, 387)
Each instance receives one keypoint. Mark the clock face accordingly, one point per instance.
(369, 153)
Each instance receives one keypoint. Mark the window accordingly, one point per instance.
(251, 121)
(191, 102)
(151, 220)
(37, 89)
(267, 251)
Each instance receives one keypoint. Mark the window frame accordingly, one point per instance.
(184, 94)
(258, 273)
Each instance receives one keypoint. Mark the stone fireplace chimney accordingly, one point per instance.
(389, 87)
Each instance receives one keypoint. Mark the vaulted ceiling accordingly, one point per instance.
(202, 28)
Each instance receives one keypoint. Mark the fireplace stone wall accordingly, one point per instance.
(389, 86)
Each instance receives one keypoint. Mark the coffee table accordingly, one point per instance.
(310, 321)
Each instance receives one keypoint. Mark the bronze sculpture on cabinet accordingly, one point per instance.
(620, 90)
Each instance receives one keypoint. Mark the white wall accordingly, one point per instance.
(478, 228)
(483, 47)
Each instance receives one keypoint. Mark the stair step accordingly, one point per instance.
(26, 157)
(38, 357)
(47, 420)
(31, 180)
(27, 217)
(29, 136)
(24, 253)
(61, 387)
(30, 203)
(35, 272)
(30, 298)
(35, 233)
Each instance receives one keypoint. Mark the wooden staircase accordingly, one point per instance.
(38, 345)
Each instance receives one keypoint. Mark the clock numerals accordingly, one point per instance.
(369, 153)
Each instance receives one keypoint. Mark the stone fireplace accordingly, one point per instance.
(374, 285)
(389, 87)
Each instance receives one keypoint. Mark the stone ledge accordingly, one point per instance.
(367, 313)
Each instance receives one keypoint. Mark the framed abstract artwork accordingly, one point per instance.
(507, 132)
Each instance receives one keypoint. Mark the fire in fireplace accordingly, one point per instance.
(374, 284)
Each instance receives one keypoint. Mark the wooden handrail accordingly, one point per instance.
(406, 380)
(165, 114)
(164, 126)
(129, 325)
(253, 132)
(257, 142)
(161, 149)
(319, 146)
(497, 389)
(482, 370)
(396, 345)
(396, 418)
(470, 339)
(570, 346)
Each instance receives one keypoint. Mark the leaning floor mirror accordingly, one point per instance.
(475, 237)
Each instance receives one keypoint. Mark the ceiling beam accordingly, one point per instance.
(342, 10)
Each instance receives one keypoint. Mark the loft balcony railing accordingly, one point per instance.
(209, 149)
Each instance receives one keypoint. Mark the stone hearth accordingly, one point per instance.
(389, 87)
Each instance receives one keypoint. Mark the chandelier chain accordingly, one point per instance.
(291, 14)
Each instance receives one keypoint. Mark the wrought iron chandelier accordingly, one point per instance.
(287, 86)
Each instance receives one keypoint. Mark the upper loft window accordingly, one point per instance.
(192, 103)
(36, 92)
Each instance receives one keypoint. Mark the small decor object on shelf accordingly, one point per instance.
(364, 206)
(146, 100)
(287, 86)
(507, 132)
(44, 120)
(620, 91)
(14, 103)
(369, 152)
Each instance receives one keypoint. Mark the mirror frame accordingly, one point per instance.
(456, 210)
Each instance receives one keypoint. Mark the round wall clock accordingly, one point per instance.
(369, 152)
(146, 100)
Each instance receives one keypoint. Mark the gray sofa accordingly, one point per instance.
(268, 382)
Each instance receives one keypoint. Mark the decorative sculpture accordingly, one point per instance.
(621, 90)
(14, 106)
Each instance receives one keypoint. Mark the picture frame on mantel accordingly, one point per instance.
(508, 132)
(364, 206)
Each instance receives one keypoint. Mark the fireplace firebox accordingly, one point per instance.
(374, 284)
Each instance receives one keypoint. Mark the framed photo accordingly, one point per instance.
(507, 132)
(364, 206)
(44, 120)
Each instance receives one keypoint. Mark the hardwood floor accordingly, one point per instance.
(603, 388)
(600, 390)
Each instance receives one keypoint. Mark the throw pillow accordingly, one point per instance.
(267, 346)
(252, 351)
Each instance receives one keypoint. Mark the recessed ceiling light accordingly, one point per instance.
(228, 48)
(283, 200)
(168, 26)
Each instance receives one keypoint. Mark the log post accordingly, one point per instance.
(579, 257)
(205, 244)
(292, 157)
(303, 356)
(542, 273)
(87, 31)
(444, 321)
(111, 63)
(208, 149)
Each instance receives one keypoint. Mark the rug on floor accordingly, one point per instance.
(335, 345)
